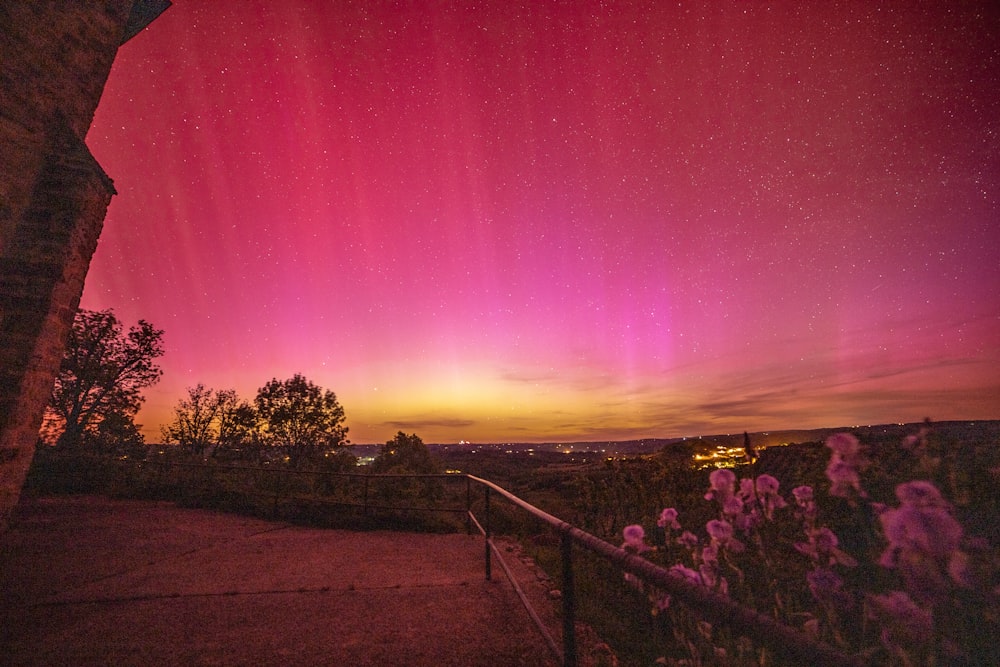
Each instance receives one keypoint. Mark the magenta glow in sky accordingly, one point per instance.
(563, 221)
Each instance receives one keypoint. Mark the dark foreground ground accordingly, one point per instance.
(92, 581)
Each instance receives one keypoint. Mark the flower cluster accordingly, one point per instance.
(635, 539)
(768, 496)
(923, 545)
(844, 466)
(668, 519)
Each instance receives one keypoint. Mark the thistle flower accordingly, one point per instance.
(922, 522)
(688, 539)
(843, 477)
(960, 570)
(924, 541)
(635, 538)
(713, 579)
(668, 519)
(803, 496)
(767, 485)
(804, 499)
(916, 442)
(767, 492)
(844, 444)
(930, 530)
(721, 533)
(709, 573)
(826, 539)
(722, 482)
(842, 471)
(733, 506)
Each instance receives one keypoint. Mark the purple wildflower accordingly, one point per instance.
(668, 519)
(803, 495)
(732, 506)
(843, 476)
(722, 482)
(767, 485)
(826, 539)
(842, 470)
(688, 539)
(709, 573)
(721, 531)
(767, 492)
(929, 530)
(924, 541)
(844, 444)
(635, 538)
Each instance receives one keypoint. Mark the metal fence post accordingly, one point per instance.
(568, 602)
(364, 498)
(468, 505)
(489, 533)
(277, 494)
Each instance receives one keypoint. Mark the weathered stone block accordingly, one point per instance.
(53, 197)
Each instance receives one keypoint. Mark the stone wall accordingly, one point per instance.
(53, 197)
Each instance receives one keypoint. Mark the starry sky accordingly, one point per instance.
(544, 221)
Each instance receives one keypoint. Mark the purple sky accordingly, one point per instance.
(563, 220)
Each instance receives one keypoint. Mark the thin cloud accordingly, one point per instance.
(430, 423)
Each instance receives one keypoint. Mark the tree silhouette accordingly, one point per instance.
(210, 419)
(405, 453)
(300, 417)
(102, 374)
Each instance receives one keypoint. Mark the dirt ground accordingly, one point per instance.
(93, 581)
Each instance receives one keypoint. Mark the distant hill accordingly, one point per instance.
(760, 440)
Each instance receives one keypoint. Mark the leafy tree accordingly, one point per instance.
(210, 419)
(116, 432)
(238, 425)
(193, 420)
(102, 374)
(301, 417)
(405, 453)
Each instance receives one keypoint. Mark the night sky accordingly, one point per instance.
(563, 220)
